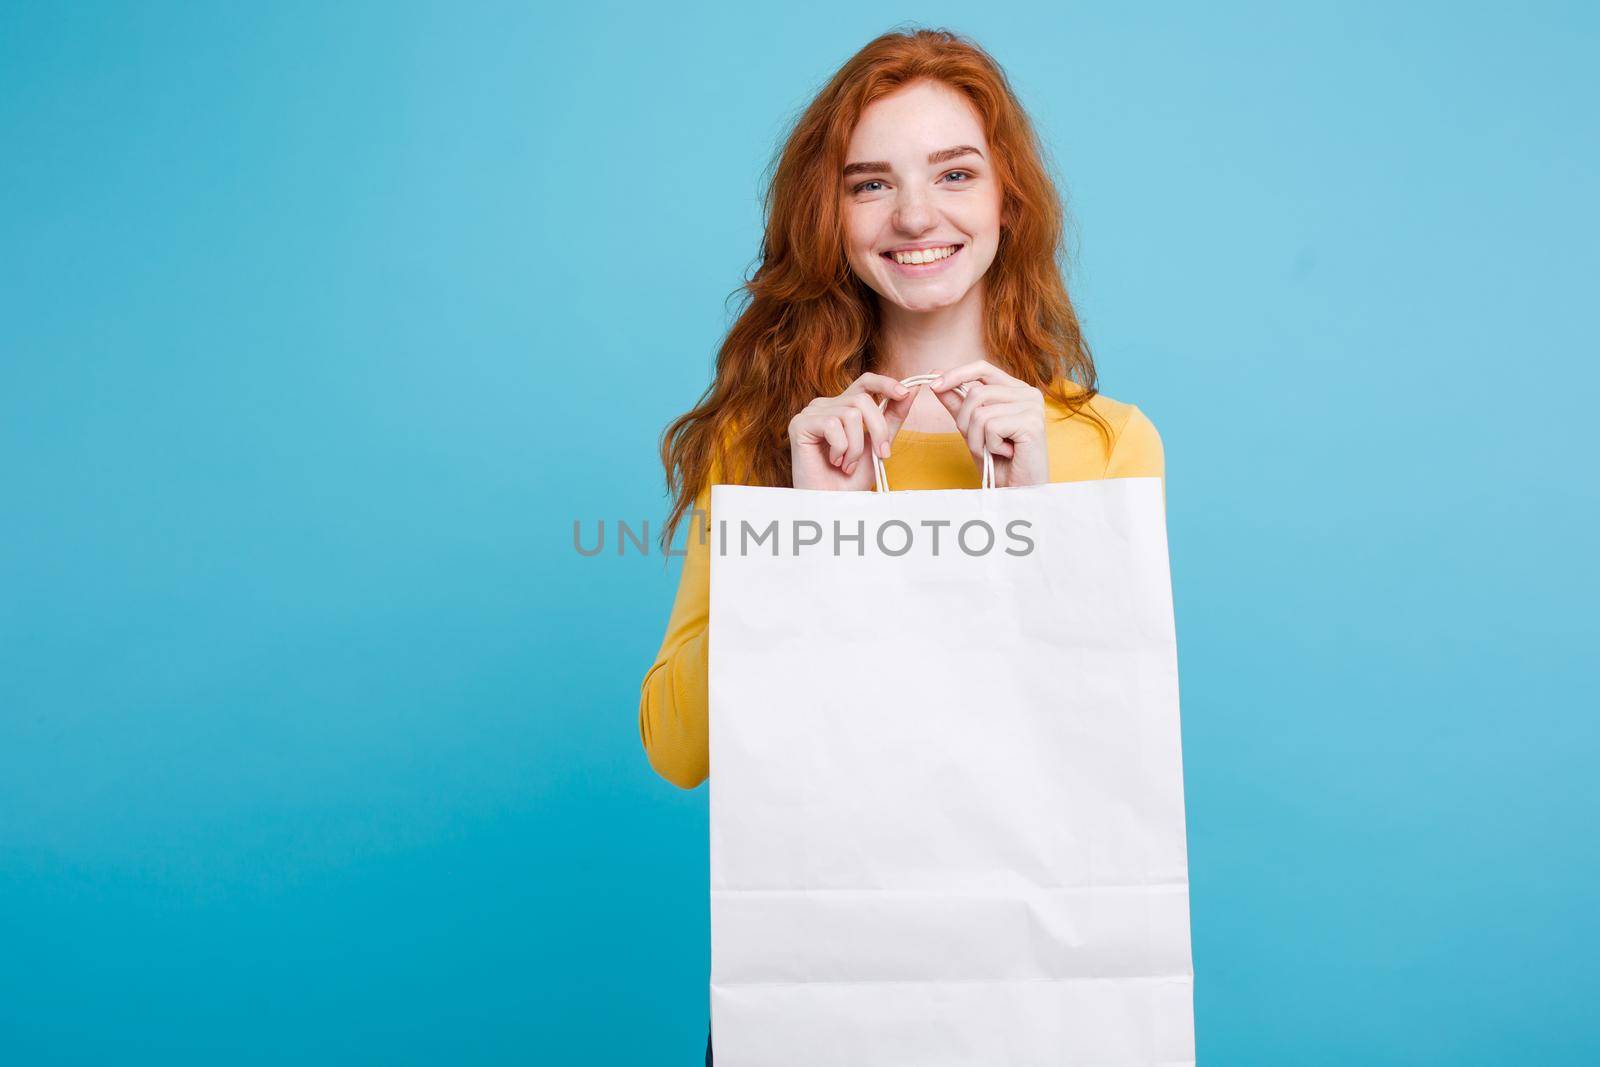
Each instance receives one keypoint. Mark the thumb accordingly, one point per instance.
(895, 412)
(951, 400)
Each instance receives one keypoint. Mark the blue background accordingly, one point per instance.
(320, 324)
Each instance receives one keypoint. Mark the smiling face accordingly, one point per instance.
(921, 197)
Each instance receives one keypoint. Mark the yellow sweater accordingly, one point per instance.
(672, 700)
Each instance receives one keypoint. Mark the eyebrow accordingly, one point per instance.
(944, 155)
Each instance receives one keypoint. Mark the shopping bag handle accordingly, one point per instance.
(877, 461)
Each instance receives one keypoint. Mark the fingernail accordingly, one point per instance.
(900, 390)
(883, 449)
(936, 382)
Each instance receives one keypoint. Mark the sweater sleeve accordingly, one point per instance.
(672, 700)
(1137, 451)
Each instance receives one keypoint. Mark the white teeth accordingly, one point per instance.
(923, 255)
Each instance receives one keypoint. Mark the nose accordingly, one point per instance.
(913, 214)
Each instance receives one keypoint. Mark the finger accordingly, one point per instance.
(877, 385)
(978, 394)
(851, 417)
(950, 399)
(1001, 429)
(954, 398)
(982, 395)
(980, 370)
(895, 413)
(982, 432)
(832, 430)
(876, 426)
(974, 431)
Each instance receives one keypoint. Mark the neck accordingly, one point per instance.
(925, 342)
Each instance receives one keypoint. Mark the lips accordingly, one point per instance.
(922, 255)
(922, 262)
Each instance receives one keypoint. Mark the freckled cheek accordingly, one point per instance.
(859, 234)
(864, 250)
(980, 224)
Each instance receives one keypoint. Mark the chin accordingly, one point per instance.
(927, 301)
(926, 305)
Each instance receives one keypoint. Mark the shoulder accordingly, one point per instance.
(729, 460)
(730, 455)
(1125, 444)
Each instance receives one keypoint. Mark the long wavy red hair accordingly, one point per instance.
(809, 326)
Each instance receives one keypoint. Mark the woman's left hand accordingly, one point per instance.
(1001, 415)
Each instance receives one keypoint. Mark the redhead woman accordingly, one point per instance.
(912, 229)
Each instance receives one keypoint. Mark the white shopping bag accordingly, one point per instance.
(946, 791)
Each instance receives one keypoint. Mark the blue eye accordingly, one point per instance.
(958, 175)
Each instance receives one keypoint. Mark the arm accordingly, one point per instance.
(1137, 452)
(672, 700)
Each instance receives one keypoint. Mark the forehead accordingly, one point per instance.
(916, 119)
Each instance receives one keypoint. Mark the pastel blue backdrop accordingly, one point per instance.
(320, 324)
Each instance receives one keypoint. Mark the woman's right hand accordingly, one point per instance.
(830, 439)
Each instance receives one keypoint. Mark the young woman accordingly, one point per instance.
(911, 229)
